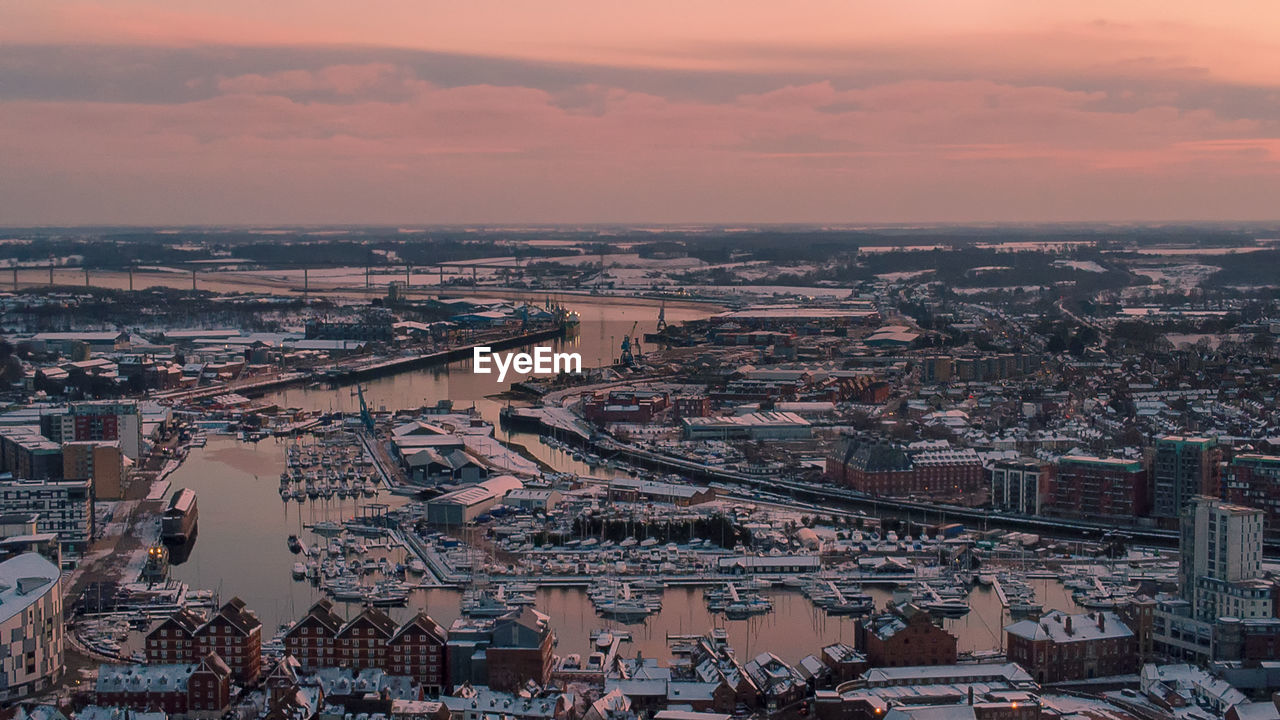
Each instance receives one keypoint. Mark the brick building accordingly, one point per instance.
(99, 461)
(234, 633)
(1086, 486)
(520, 650)
(780, 684)
(882, 467)
(98, 420)
(323, 639)
(692, 406)
(845, 662)
(629, 406)
(416, 650)
(1060, 647)
(1254, 480)
(310, 640)
(194, 689)
(503, 653)
(904, 636)
(708, 676)
(362, 641)
(1252, 641)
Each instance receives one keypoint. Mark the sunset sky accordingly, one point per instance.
(587, 111)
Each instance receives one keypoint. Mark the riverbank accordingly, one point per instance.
(347, 371)
(284, 280)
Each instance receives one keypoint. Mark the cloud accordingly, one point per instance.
(1026, 119)
(333, 80)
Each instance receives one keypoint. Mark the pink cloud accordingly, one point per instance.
(335, 79)
(372, 142)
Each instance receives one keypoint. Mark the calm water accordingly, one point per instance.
(241, 551)
(241, 546)
(597, 340)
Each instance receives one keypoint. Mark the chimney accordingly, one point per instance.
(1068, 624)
(1102, 622)
(970, 694)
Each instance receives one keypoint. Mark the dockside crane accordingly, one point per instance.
(631, 347)
(366, 417)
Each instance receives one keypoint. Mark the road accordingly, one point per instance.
(831, 496)
(1062, 307)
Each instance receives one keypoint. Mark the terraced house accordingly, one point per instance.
(234, 633)
(371, 640)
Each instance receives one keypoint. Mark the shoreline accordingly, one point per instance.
(238, 281)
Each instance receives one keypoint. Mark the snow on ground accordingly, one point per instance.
(1199, 250)
(1083, 265)
(896, 276)
(1034, 245)
(500, 455)
(876, 249)
(627, 260)
(158, 488)
(770, 290)
(1004, 288)
(768, 270)
(1182, 277)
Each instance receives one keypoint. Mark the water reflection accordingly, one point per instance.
(243, 548)
(181, 552)
(242, 551)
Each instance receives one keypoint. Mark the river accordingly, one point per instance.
(241, 546)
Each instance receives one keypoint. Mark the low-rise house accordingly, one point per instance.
(200, 689)
(780, 684)
(477, 702)
(845, 662)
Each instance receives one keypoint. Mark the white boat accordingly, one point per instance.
(327, 528)
(623, 610)
(389, 593)
(350, 593)
(950, 607)
(484, 603)
(747, 607)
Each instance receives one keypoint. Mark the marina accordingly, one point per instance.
(443, 572)
(581, 361)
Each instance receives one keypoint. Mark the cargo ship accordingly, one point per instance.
(179, 521)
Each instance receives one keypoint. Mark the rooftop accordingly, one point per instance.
(144, 678)
(1059, 627)
(760, 419)
(923, 674)
(1118, 463)
(24, 580)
